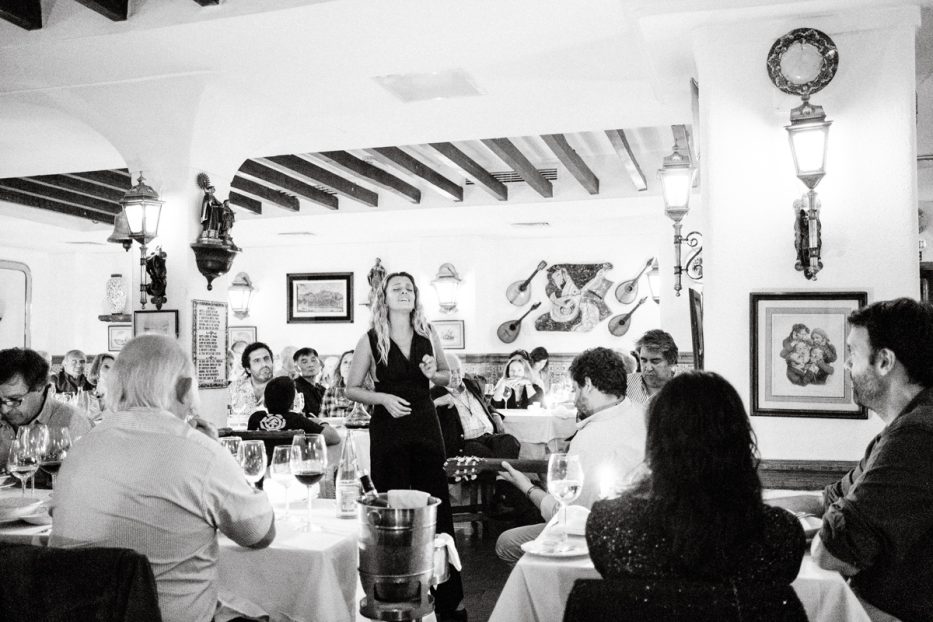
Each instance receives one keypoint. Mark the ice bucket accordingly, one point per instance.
(397, 560)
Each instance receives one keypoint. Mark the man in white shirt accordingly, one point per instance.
(145, 479)
(610, 441)
(657, 360)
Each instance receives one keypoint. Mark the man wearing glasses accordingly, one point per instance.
(24, 399)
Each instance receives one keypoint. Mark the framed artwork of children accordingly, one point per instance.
(798, 343)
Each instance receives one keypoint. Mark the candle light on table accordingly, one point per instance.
(607, 482)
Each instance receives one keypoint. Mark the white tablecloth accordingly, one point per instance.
(538, 588)
(535, 428)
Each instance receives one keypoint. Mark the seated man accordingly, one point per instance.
(469, 426)
(309, 370)
(71, 378)
(247, 394)
(278, 416)
(145, 479)
(24, 399)
(610, 437)
(657, 357)
(878, 519)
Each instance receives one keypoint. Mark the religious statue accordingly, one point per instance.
(155, 268)
(226, 224)
(375, 276)
(216, 218)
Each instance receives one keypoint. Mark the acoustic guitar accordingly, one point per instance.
(468, 468)
(519, 292)
(508, 331)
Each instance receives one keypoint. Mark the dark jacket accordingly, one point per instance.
(66, 384)
(312, 393)
(449, 417)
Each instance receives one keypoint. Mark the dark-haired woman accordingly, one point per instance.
(697, 514)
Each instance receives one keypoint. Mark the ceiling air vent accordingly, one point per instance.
(511, 177)
(83, 243)
(298, 233)
(540, 223)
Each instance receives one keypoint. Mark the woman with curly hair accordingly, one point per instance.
(404, 355)
(697, 514)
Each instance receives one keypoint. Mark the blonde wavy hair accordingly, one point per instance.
(380, 316)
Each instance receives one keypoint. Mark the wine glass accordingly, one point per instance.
(232, 444)
(55, 451)
(281, 470)
(308, 462)
(22, 461)
(36, 435)
(565, 483)
(253, 460)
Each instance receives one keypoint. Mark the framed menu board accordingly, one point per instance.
(209, 343)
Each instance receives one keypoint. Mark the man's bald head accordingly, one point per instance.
(456, 370)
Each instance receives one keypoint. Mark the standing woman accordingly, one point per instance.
(403, 353)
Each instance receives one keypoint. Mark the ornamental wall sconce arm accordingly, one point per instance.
(138, 221)
(676, 176)
(803, 62)
(214, 249)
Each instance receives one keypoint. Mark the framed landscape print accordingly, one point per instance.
(450, 333)
(118, 335)
(158, 322)
(798, 343)
(320, 297)
(242, 333)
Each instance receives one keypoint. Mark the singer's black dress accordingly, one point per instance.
(408, 452)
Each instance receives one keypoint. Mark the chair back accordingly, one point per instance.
(599, 600)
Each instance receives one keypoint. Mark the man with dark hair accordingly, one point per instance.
(24, 399)
(878, 519)
(247, 394)
(71, 378)
(309, 368)
(278, 416)
(610, 439)
(657, 357)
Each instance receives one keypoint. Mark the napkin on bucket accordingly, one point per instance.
(407, 499)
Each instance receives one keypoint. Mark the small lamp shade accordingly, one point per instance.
(809, 136)
(446, 284)
(676, 181)
(240, 294)
(143, 209)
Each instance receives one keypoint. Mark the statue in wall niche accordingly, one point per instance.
(217, 218)
(226, 224)
(155, 268)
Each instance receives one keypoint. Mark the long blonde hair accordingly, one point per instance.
(380, 316)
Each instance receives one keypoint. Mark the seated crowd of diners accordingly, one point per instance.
(687, 505)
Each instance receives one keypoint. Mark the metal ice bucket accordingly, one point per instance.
(399, 561)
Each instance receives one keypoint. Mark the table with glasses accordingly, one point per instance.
(535, 428)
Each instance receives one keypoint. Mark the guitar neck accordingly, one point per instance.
(454, 466)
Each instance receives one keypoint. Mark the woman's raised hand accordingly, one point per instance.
(396, 406)
(428, 366)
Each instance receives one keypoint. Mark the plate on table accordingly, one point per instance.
(14, 508)
(7, 481)
(811, 525)
(573, 549)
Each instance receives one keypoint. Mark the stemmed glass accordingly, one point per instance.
(36, 436)
(253, 460)
(281, 471)
(54, 450)
(565, 483)
(308, 462)
(22, 461)
(232, 444)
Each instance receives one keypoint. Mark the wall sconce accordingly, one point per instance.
(445, 284)
(240, 292)
(654, 281)
(803, 62)
(139, 221)
(676, 175)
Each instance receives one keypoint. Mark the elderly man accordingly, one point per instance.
(71, 378)
(145, 479)
(878, 519)
(657, 356)
(309, 369)
(609, 439)
(247, 392)
(24, 399)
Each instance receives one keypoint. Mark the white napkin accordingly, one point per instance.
(453, 557)
(576, 520)
(407, 499)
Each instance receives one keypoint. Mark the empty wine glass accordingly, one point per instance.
(55, 451)
(232, 444)
(308, 462)
(281, 471)
(253, 460)
(22, 461)
(36, 435)
(565, 483)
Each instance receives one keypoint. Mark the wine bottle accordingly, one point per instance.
(348, 479)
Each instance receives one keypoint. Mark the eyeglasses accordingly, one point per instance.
(12, 402)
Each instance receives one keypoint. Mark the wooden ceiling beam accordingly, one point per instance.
(287, 183)
(279, 198)
(28, 186)
(624, 151)
(29, 200)
(27, 14)
(353, 165)
(81, 186)
(513, 157)
(395, 157)
(117, 178)
(245, 202)
(114, 10)
(338, 184)
(473, 170)
(572, 161)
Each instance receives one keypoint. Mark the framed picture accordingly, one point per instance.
(320, 297)
(798, 351)
(209, 343)
(450, 333)
(118, 335)
(158, 322)
(696, 327)
(242, 333)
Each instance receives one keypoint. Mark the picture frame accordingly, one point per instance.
(163, 322)
(320, 297)
(209, 343)
(696, 327)
(451, 334)
(118, 335)
(797, 351)
(242, 333)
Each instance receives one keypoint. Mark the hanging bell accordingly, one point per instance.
(121, 231)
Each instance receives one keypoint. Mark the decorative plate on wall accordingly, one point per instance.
(803, 61)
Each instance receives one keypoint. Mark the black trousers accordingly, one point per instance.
(503, 446)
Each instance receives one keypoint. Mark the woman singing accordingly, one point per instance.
(403, 353)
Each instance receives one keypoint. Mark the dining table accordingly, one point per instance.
(539, 429)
